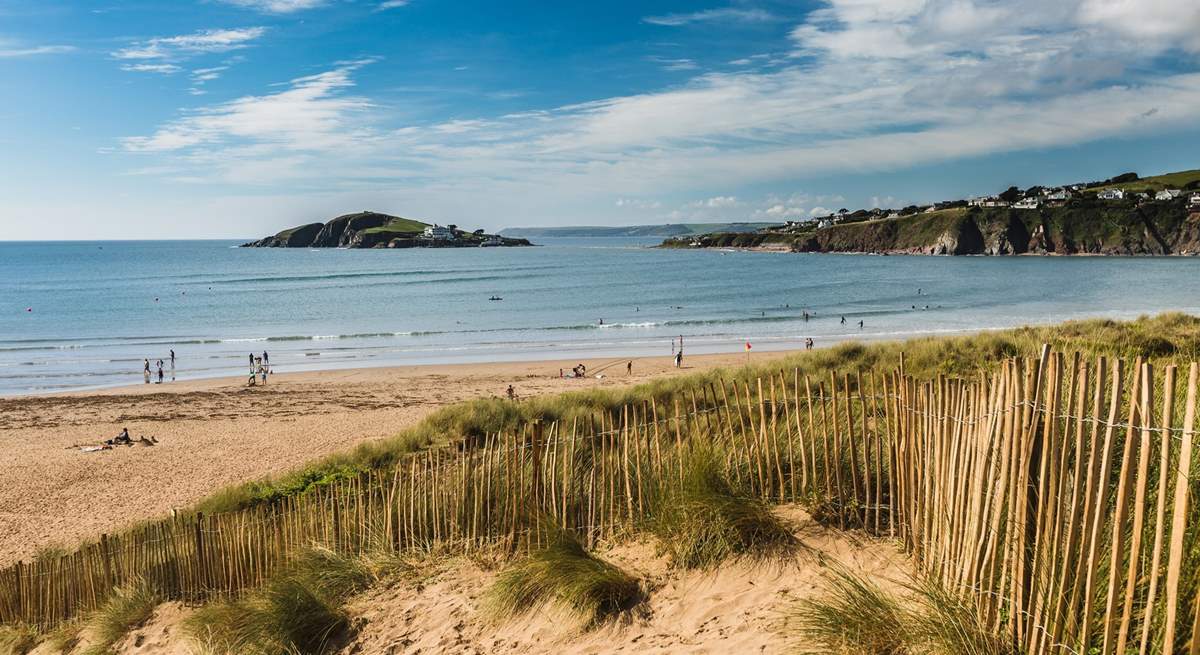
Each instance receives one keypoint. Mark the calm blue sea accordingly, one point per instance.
(97, 309)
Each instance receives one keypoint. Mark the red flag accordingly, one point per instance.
(747, 345)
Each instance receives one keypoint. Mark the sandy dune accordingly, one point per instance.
(739, 608)
(213, 433)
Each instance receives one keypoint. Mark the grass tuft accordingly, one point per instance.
(17, 639)
(949, 623)
(563, 574)
(704, 521)
(128, 608)
(298, 611)
(854, 617)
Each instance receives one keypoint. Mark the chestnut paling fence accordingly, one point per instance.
(1055, 495)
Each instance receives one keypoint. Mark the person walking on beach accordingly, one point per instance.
(629, 368)
(172, 364)
(266, 360)
(860, 325)
(251, 362)
(679, 359)
(808, 343)
(512, 393)
(146, 372)
(843, 320)
(160, 371)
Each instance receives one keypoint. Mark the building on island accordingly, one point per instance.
(1026, 203)
(1168, 194)
(1057, 195)
(1112, 194)
(1194, 201)
(439, 233)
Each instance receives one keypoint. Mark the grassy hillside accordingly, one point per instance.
(1154, 183)
(399, 226)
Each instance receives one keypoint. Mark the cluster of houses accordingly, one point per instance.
(438, 233)
(1049, 197)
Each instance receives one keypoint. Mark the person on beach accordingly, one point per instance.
(843, 320)
(860, 325)
(266, 360)
(679, 359)
(808, 343)
(251, 361)
(172, 364)
(262, 370)
(629, 368)
(160, 371)
(146, 371)
(512, 393)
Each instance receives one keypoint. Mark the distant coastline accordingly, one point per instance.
(663, 230)
(1122, 216)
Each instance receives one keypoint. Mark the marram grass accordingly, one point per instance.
(17, 639)
(854, 616)
(565, 574)
(128, 608)
(298, 611)
(705, 521)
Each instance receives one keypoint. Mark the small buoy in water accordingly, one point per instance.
(156, 300)
(29, 309)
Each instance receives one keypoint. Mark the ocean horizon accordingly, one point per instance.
(80, 315)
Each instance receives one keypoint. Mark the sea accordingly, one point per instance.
(84, 315)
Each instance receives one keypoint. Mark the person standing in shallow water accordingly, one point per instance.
(172, 364)
(146, 371)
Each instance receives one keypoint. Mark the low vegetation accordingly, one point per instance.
(566, 575)
(17, 639)
(854, 616)
(127, 609)
(705, 521)
(298, 611)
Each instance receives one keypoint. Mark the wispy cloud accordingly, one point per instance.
(163, 69)
(11, 51)
(186, 45)
(676, 64)
(392, 4)
(311, 114)
(276, 6)
(725, 14)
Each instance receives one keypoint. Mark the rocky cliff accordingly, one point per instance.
(1082, 226)
(375, 230)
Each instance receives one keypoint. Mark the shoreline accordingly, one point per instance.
(729, 346)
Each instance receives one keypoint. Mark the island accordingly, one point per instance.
(1124, 215)
(370, 229)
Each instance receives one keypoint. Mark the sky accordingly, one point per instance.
(131, 119)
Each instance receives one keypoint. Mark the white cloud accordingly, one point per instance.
(637, 203)
(680, 64)
(202, 42)
(311, 114)
(392, 4)
(276, 6)
(11, 51)
(722, 15)
(164, 69)
(873, 85)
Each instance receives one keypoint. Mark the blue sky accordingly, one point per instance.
(236, 118)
